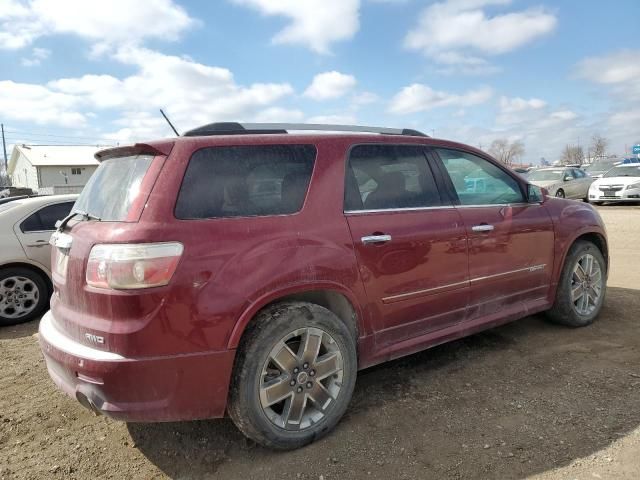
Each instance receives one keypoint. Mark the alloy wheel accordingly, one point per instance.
(301, 379)
(18, 297)
(586, 284)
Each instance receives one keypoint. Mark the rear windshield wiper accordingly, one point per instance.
(60, 224)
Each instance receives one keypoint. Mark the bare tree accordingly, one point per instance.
(506, 151)
(572, 154)
(598, 146)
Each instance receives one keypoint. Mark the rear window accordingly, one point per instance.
(113, 187)
(241, 181)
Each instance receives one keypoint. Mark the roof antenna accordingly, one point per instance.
(169, 122)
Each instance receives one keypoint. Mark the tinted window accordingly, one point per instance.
(478, 181)
(113, 187)
(46, 218)
(383, 177)
(246, 181)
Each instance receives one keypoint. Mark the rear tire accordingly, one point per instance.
(23, 295)
(582, 287)
(560, 193)
(294, 375)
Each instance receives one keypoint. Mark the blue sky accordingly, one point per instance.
(546, 73)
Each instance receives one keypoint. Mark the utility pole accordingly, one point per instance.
(4, 149)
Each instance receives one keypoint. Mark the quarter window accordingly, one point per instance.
(381, 177)
(243, 181)
(477, 181)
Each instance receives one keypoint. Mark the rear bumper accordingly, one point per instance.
(156, 389)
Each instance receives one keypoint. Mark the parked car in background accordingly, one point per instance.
(620, 184)
(522, 171)
(600, 167)
(26, 225)
(630, 160)
(563, 182)
(14, 192)
(241, 269)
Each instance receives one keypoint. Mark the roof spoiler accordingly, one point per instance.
(137, 149)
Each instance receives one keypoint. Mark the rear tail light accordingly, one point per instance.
(129, 266)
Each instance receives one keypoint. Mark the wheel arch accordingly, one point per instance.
(337, 300)
(597, 239)
(34, 267)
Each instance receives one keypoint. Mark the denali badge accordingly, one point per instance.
(94, 338)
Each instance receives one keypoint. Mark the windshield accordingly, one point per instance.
(630, 171)
(599, 166)
(114, 186)
(545, 175)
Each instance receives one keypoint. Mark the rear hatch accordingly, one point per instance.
(88, 250)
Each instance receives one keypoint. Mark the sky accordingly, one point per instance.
(548, 73)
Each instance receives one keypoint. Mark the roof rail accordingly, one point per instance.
(233, 128)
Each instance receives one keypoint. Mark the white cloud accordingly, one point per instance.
(618, 71)
(518, 110)
(115, 22)
(315, 24)
(418, 98)
(279, 115)
(334, 119)
(460, 33)
(192, 93)
(563, 115)
(330, 85)
(364, 98)
(518, 104)
(39, 104)
(37, 56)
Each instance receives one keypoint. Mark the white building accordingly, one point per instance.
(48, 169)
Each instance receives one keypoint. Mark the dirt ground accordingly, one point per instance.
(527, 400)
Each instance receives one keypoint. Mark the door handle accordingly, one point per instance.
(39, 243)
(375, 239)
(483, 227)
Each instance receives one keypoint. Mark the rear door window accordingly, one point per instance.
(114, 187)
(385, 177)
(45, 219)
(244, 181)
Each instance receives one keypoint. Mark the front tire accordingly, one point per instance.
(23, 296)
(582, 288)
(294, 375)
(596, 203)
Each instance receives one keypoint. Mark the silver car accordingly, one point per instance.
(563, 182)
(26, 225)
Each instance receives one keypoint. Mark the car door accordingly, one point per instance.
(571, 183)
(511, 241)
(410, 244)
(35, 230)
(583, 182)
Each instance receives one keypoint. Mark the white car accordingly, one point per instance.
(563, 182)
(26, 225)
(620, 184)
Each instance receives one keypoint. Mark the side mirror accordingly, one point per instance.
(536, 194)
(568, 178)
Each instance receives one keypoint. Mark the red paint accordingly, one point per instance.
(423, 288)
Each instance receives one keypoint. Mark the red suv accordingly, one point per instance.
(244, 269)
